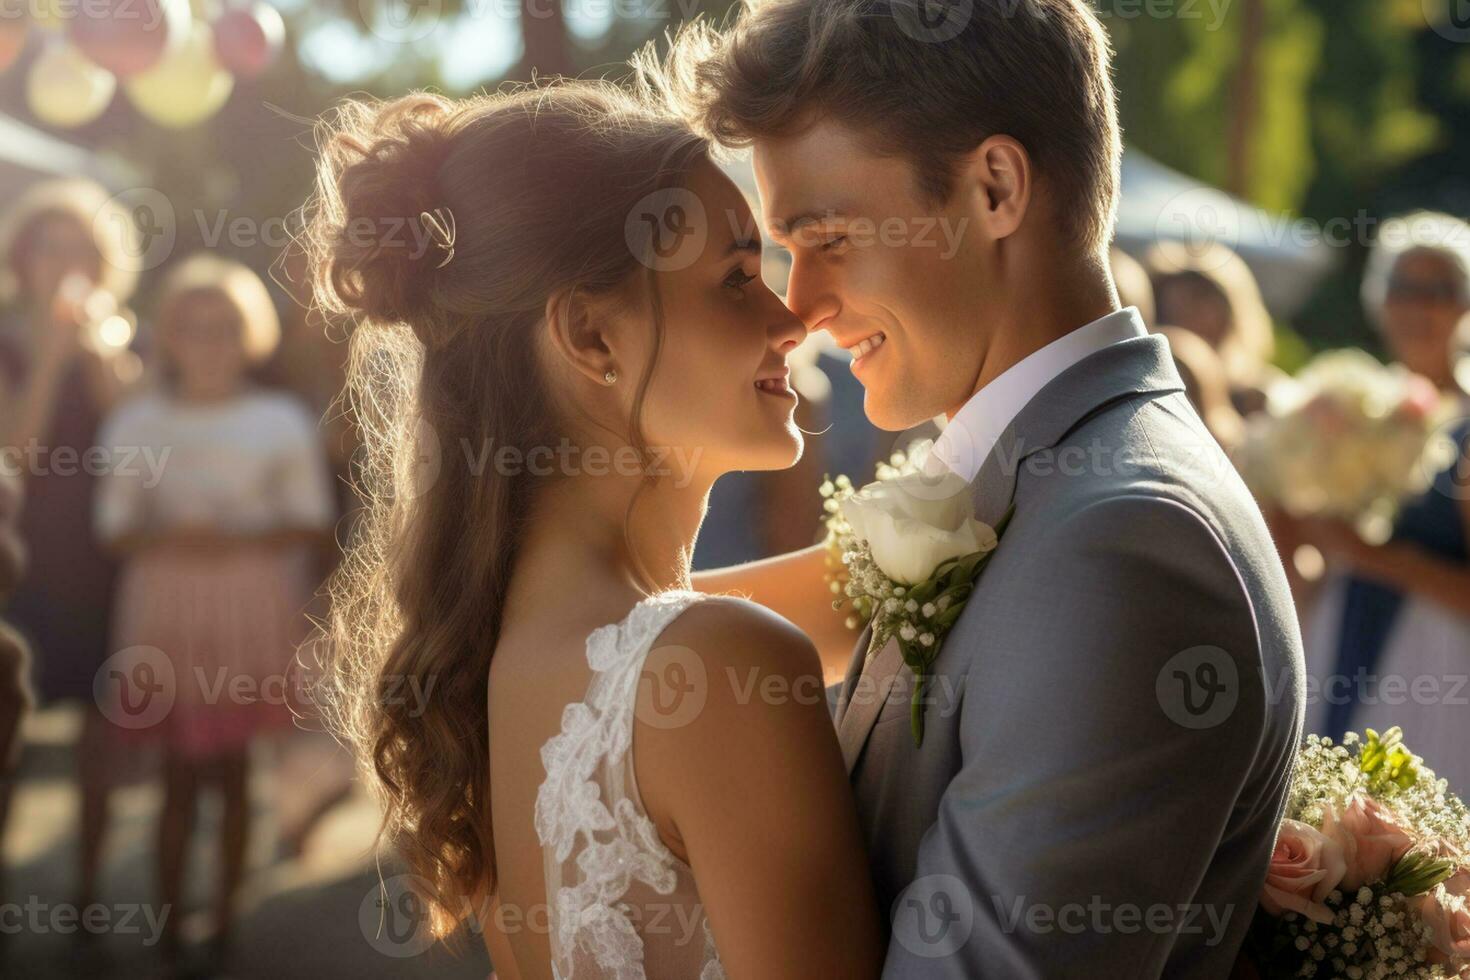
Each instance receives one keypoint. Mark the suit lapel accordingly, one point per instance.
(865, 698)
(1130, 367)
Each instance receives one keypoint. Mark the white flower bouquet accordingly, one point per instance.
(905, 552)
(1347, 438)
(1369, 879)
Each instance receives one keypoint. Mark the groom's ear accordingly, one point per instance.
(997, 175)
(580, 335)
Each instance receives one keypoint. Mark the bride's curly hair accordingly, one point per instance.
(540, 182)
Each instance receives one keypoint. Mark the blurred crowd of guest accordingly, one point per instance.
(172, 483)
(1386, 625)
(166, 515)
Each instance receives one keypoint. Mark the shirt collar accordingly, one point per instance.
(973, 432)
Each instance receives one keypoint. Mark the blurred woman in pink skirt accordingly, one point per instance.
(217, 496)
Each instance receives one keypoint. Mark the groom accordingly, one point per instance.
(1111, 724)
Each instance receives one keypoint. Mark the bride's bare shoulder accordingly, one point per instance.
(731, 631)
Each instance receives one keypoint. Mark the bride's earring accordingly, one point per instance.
(611, 377)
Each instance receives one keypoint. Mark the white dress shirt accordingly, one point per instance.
(973, 432)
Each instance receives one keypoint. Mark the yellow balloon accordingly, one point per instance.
(65, 89)
(187, 87)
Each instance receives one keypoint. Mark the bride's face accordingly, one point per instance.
(720, 393)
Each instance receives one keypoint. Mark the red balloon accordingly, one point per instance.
(248, 38)
(12, 40)
(129, 36)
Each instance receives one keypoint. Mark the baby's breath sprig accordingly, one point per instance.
(1378, 931)
(918, 615)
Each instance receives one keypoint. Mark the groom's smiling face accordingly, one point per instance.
(898, 280)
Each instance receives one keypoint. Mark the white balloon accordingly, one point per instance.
(187, 87)
(65, 89)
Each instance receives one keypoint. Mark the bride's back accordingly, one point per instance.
(538, 669)
(569, 817)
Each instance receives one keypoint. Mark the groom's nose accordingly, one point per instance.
(809, 294)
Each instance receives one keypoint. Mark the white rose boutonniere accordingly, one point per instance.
(912, 551)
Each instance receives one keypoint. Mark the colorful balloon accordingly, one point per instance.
(129, 36)
(65, 89)
(248, 38)
(187, 87)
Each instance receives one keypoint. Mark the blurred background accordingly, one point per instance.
(152, 153)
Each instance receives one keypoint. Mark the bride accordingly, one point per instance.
(562, 339)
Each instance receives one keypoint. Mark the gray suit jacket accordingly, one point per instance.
(1112, 722)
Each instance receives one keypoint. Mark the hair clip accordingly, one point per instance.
(440, 226)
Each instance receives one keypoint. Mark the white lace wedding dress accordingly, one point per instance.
(622, 906)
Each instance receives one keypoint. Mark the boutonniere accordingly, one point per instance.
(905, 552)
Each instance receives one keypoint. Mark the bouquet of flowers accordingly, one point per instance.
(1370, 878)
(905, 552)
(1347, 438)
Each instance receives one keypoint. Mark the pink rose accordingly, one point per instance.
(1371, 837)
(1305, 867)
(1448, 916)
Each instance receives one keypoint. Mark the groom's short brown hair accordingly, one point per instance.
(928, 79)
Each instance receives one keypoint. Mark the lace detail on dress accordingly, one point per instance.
(599, 844)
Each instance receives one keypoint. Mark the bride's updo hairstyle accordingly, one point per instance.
(443, 372)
